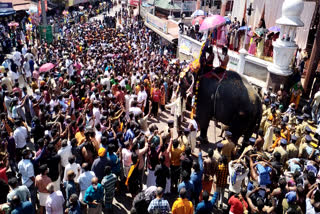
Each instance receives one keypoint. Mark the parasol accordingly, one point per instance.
(212, 22)
(46, 67)
(198, 13)
(198, 20)
(13, 24)
(274, 29)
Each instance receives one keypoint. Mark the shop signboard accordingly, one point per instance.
(6, 9)
(189, 46)
(46, 33)
(158, 23)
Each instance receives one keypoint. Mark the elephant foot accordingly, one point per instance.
(203, 140)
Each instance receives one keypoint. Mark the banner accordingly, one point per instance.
(158, 23)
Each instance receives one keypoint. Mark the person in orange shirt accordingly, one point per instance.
(80, 135)
(277, 133)
(182, 205)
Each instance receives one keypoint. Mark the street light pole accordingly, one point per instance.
(43, 13)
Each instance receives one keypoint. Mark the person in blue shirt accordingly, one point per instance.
(74, 206)
(94, 196)
(206, 206)
(187, 184)
(114, 160)
(21, 207)
(196, 177)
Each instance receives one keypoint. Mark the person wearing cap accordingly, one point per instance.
(282, 149)
(159, 204)
(290, 203)
(293, 148)
(41, 182)
(229, 148)
(100, 163)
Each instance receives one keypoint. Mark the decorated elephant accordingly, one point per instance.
(230, 100)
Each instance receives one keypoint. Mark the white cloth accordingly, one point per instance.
(135, 110)
(310, 208)
(142, 96)
(26, 170)
(65, 153)
(96, 113)
(236, 188)
(54, 203)
(20, 137)
(268, 138)
(43, 198)
(74, 167)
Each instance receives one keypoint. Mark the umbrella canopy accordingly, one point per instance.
(46, 67)
(274, 29)
(198, 20)
(13, 24)
(212, 22)
(198, 13)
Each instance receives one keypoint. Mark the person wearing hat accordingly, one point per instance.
(100, 163)
(229, 148)
(282, 149)
(293, 148)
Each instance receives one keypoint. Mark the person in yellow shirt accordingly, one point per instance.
(229, 148)
(182, 205)
(176, 152)
(80, 135)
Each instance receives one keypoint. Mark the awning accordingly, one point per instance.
(6, 9)
(168, 37)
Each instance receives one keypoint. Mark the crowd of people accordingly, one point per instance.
(79, 136)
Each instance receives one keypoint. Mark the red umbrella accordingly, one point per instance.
(46, 67)
(198, 20)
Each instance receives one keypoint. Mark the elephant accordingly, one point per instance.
(232, 101)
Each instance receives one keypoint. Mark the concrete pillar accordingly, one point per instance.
(223, 7)
(242, 61)
(198, 7)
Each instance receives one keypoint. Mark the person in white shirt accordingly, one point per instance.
(105, 81)
(65, 152)
(142, 98)
(72, 165)
(96, 112)
(20, 135)
(84, 179)
(237, 173)
(135, 109)
(55, 201)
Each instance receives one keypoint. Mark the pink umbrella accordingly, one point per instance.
(212, 22)
(46, 67)
(198, 20)
(13, 24)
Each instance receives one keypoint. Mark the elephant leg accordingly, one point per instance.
(203, 131)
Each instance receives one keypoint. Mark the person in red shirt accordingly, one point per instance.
(3, 168)
(119, 95)
(155, 97)
(237, 204)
